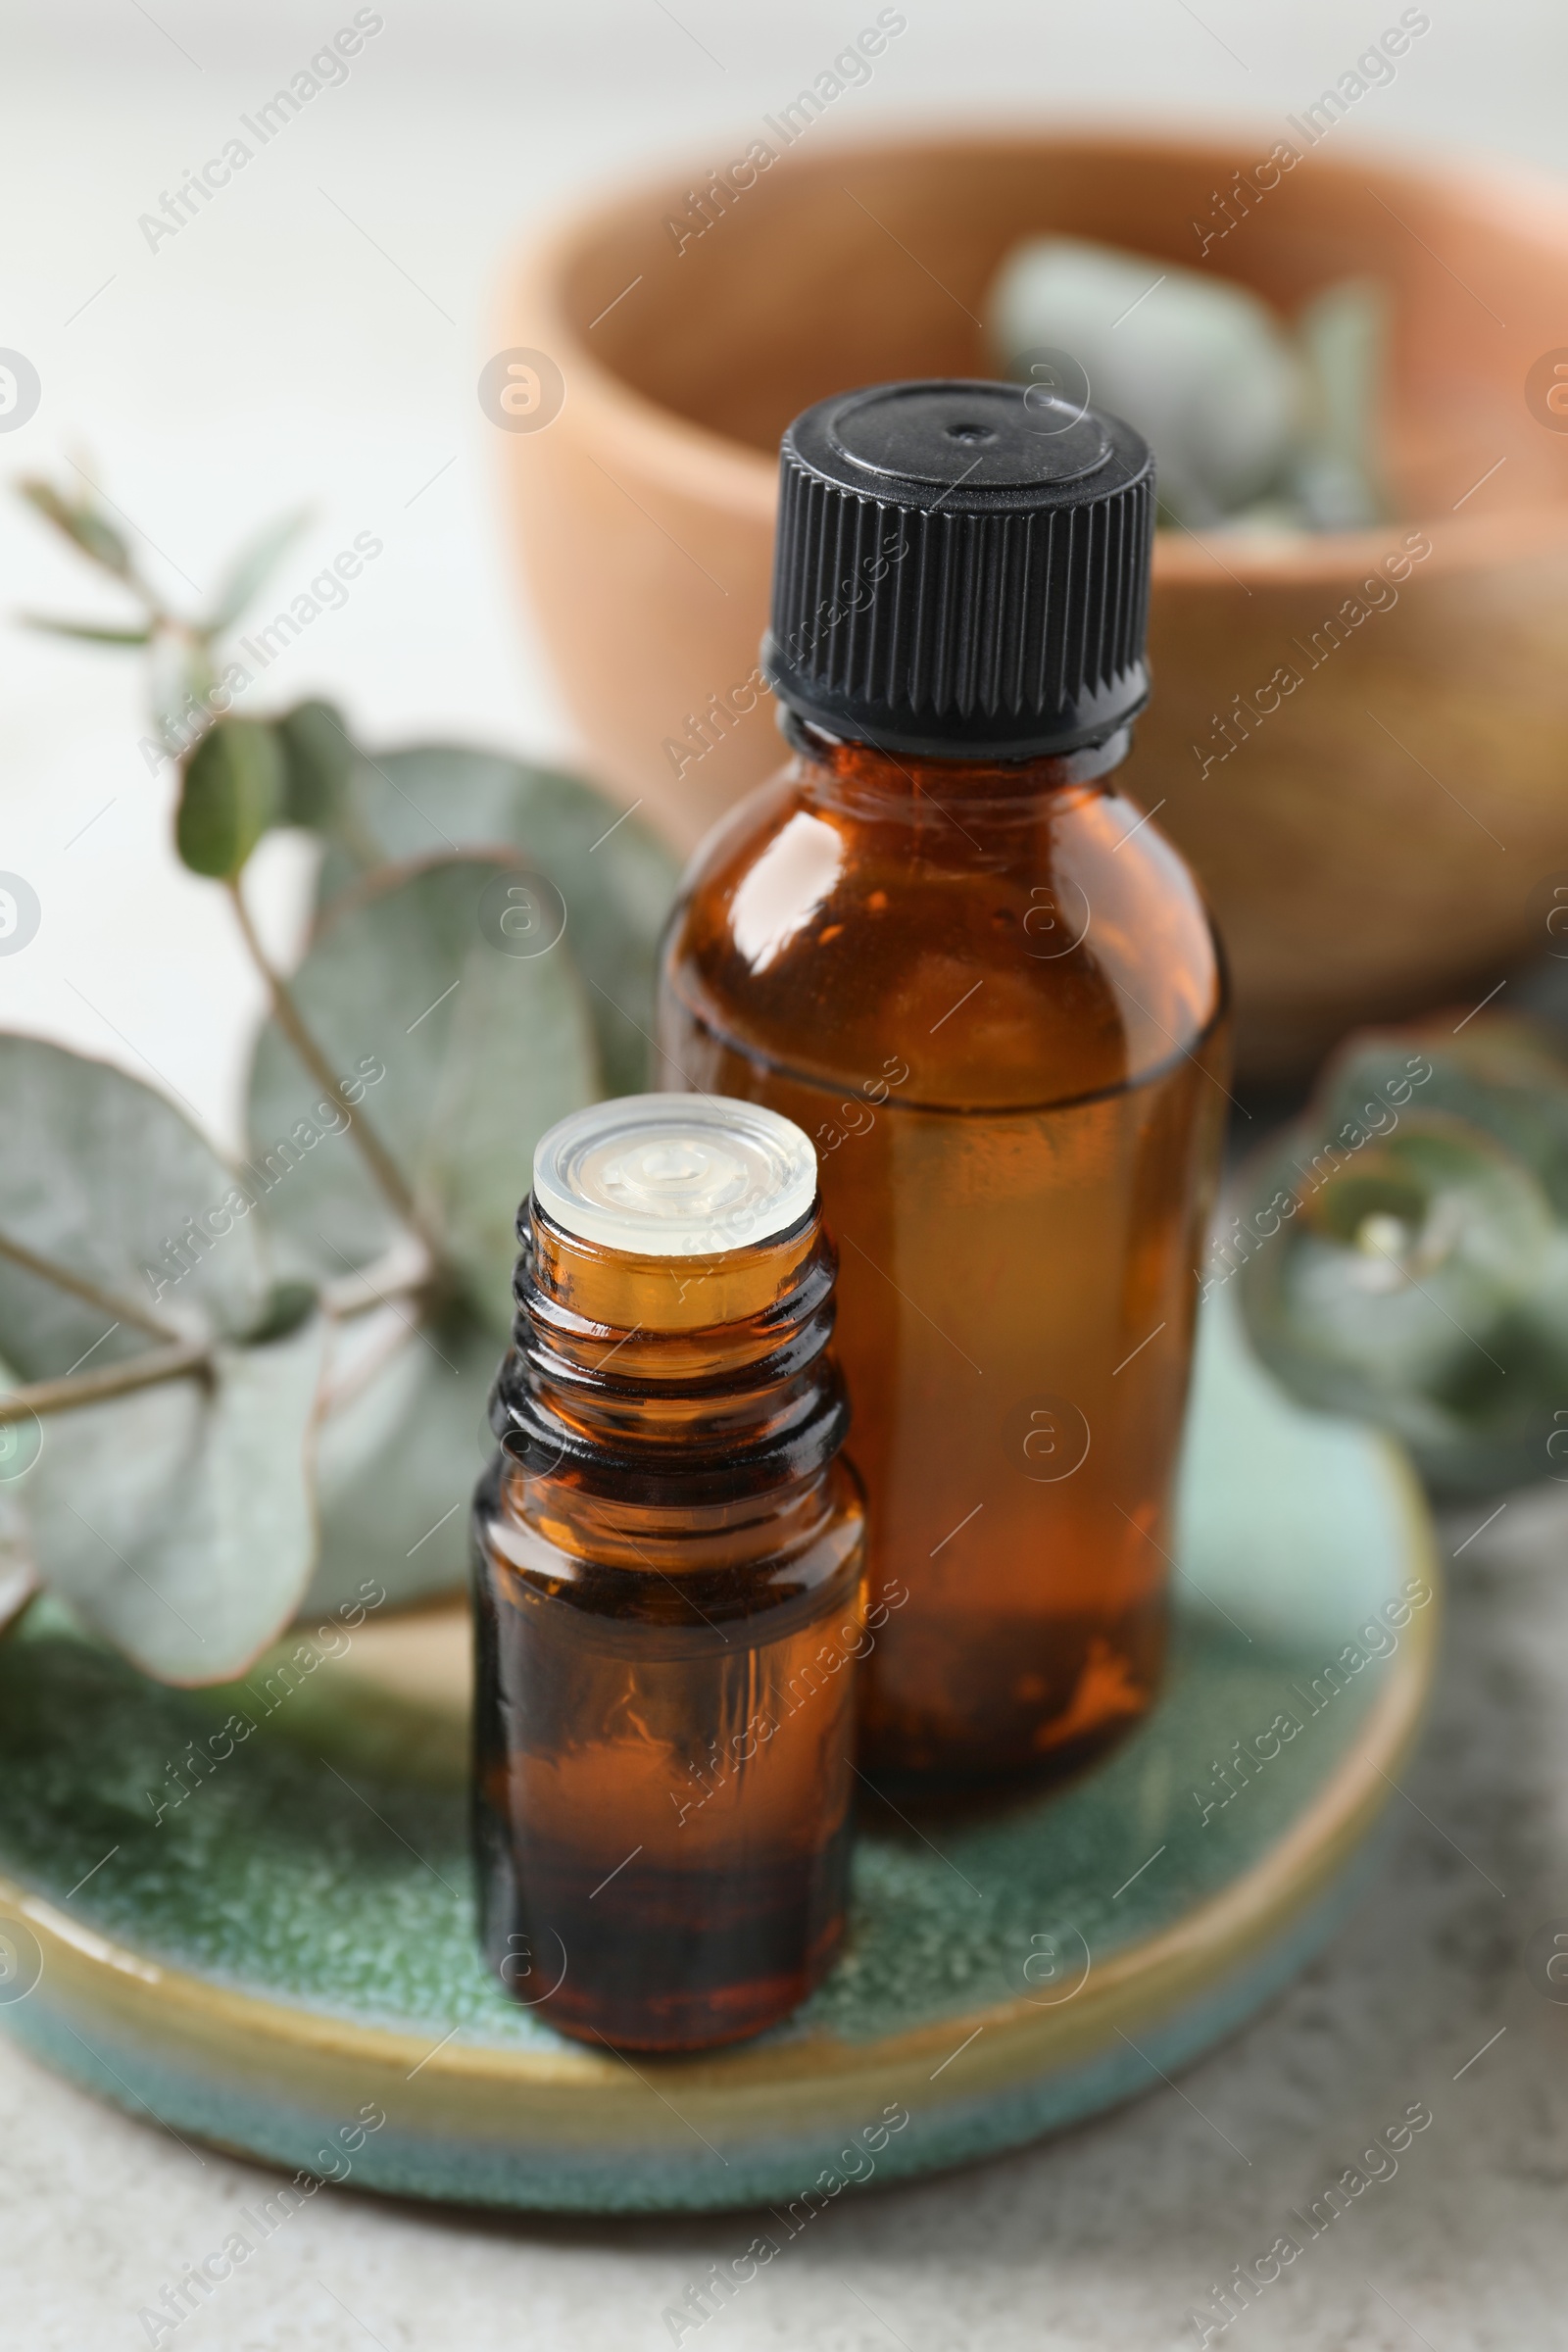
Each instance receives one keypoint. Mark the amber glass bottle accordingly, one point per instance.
(669, 1584)
(944, 944)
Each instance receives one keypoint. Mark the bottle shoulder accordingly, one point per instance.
(1010, 953)
(769, 1559)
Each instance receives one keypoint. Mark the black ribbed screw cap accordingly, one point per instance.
(961, 569)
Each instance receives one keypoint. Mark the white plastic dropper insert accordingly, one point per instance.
(675, 1175)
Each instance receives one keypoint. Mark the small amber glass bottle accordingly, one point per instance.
(980, 978)
(668, 1563)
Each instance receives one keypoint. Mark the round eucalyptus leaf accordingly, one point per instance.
(1420, 1281)
(318, 761)
(1201, 364)
(398, 1464)
(178, 1519)
(1504, 1076)
(232, 788)
(616, 877)
(104, 1178)
(455, 1054)
(1401, 1259)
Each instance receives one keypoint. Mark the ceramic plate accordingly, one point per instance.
(270, 1944)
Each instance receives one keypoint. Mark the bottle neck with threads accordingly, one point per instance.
(664, 1409)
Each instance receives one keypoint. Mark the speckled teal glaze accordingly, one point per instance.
(763, 2170)
(315, 1868)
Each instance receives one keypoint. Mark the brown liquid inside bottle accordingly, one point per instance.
(991, 995)
(670, 1610)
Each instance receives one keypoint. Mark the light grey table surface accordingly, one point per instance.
(318, 336)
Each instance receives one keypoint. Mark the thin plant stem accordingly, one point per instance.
(180, 1359)
(92, 1294)
(382, 1166)
(186, 1360)
(347, 1295)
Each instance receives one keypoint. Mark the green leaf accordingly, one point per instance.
(101, 1175)
(250, 569)
(179, 1520)
(458, 1054)
(318, 760)
(398, 1465)
(1201, 364)
(1421, 1281)
(88, 631)
(616, 877)
(83, 524)
(1500, 1074)
(231, 790)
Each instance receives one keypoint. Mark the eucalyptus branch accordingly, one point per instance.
(383, 1167)
(186, 1360)
(92, 1293)
(183, 1359)
(94, 536)
(378, 1284)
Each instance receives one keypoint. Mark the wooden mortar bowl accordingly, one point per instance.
(1372, 846)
